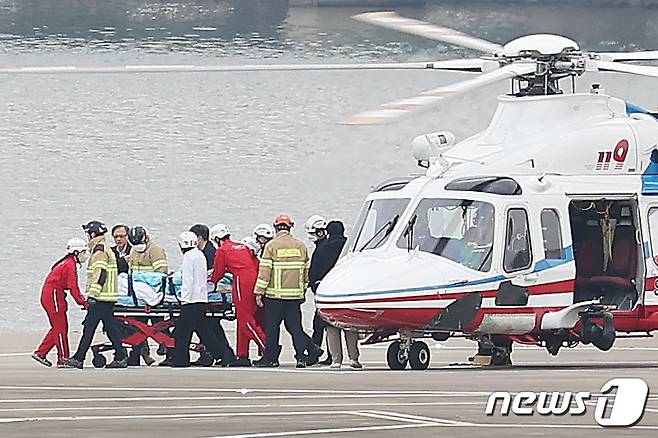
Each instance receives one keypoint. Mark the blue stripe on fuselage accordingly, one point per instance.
(541, 265)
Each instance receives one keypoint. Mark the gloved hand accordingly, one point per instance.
(85, 305)
(259, 300)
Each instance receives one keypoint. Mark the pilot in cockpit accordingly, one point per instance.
(479, 238)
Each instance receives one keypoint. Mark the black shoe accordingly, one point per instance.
(240, 362)
(205, 360)
(264, 363)
(301, 364)
(314, 356)
(166, 363)
(72, 363)
(123, 363)
(43, 360)
(228, 359)
(326, 362)
(133, 361)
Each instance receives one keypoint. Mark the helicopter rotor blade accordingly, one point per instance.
(620, 67)
(392, 20)
(647, 55)
(399, 109)
(468, 65)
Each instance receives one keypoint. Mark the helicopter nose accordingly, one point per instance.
(368, 291)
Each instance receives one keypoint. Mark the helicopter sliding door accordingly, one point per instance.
(608, 251)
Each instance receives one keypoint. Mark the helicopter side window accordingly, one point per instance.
(457, 229)
(551, 235)
(517, 255)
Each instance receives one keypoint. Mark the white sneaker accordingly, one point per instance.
(356, 364)
(334, 366)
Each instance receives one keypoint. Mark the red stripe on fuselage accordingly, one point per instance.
(556, 287)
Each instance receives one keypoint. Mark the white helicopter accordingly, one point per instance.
(537, 230)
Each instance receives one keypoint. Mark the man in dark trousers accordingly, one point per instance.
(227, 355)
(316, 229)
(194, 301)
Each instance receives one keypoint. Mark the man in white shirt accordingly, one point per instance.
(194, 301)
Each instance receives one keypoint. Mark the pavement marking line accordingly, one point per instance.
(304, 405)
(255, 397)
(384, 416)
(244, 390)
(14, 354)
(401, 415)
(173, 416)
(325, 431)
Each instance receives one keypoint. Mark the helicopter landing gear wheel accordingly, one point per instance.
(397, 355)
(501, 354)
(419, 356)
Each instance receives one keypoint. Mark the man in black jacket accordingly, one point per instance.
(326, 253)
(324, 258)
(327, 256)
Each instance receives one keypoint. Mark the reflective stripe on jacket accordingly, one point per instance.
(153, 259)
(283, 272)
(102, 271)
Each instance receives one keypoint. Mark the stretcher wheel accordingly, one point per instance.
(99, 361)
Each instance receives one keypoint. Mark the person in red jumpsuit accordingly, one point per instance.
(239, 260)
(62, 277)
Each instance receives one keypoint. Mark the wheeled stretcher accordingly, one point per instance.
(156, 297)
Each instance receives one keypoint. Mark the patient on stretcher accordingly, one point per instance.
(154, 288)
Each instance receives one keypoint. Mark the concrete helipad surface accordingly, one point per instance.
(447, 400)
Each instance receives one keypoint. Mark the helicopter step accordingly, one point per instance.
(493, 351)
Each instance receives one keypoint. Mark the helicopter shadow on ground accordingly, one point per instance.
(463, 367)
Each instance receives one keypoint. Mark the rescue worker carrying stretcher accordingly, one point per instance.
(62, 277)
(239, 260)
(194, 302)
(145, 256)
(281, 288)
(102, 294)
(263, 234)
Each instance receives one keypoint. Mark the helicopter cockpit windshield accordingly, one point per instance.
(457, 229)
(376, 222)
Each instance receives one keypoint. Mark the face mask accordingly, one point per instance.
(140, 247)
(312, 237)
(82, 257)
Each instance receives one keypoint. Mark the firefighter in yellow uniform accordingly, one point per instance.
(145, 256)
(102, 295)
(280, 288)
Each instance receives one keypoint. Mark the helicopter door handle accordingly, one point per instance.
(531, 278)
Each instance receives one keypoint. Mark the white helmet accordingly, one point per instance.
(187, 240)
(219, 231)
(264, 230)
(76, 244)
(251, 243)
(314, 223)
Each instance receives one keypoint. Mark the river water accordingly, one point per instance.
(170, 150)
